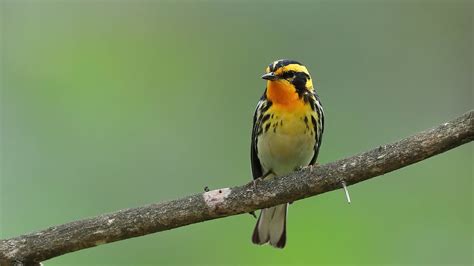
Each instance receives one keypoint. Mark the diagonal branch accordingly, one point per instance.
(58, 240)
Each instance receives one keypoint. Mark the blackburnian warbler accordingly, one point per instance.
(287, 130)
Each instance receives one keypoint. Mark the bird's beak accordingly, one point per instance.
(270, 76)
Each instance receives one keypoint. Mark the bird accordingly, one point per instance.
(288, 125)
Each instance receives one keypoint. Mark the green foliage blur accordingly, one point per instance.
(108, 105)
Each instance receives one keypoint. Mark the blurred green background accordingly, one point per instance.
(107, 105)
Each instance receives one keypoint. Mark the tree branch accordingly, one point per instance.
(58, 240)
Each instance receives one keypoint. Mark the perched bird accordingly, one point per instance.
(287, 128)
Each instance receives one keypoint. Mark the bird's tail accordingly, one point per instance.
(271, 227)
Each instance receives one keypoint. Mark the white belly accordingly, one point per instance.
(283, 152)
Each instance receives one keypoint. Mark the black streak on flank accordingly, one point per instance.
(267, 127)
(265, 118)
(306, 122)
(313, 120)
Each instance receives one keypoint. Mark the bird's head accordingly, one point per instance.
(287, 80)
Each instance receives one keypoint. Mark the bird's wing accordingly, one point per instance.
(262, 106)
(318, 127)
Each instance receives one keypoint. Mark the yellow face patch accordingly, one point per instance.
(309, 85)
(282, 90)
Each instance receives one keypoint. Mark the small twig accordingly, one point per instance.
(348, 197)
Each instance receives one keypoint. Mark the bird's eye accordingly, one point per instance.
(289, 74)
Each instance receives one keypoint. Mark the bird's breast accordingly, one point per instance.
(287, 141)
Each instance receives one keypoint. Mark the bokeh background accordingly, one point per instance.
(107, 105)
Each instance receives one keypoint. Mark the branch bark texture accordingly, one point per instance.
(58, 240)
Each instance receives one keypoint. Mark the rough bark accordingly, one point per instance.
(58, 240)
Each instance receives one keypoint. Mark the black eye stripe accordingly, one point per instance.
(295, 74)
(288, 74)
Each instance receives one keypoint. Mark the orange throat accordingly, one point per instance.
(282, 93)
